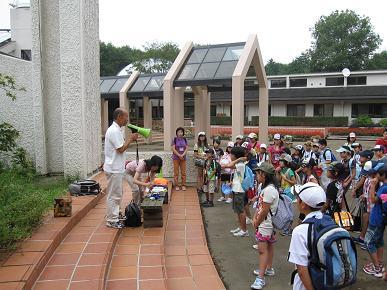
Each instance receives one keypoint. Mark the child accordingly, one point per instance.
(200, 156)
(218, 154)
(374, 237)
(307, 151)
(265, 234)
(310, 199)
(263, 156)
(349, 165)
(179, 149)
(276, 150)
(253, 140)
(211, 167)
(324, 160)
(334, 192)
(225, 175)
(238, 141)
(135, 169)
(287, 179)
(307, 169)
(239, 195)
(298, 154)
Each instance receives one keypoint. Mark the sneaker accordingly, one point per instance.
(204, 203)
(270, 272)
(121, 217)
(114, 225)
(241, 233)
(258, 283)
(209, 204)
(249, 221)
(358, 241)
(364, 247)
(183, 188)
(222, 198)
(255, 247)
(229, 200)
(235, 230)
(370, 269)
(177, 188)
(286, 233)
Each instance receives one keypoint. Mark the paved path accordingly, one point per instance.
(235, 258)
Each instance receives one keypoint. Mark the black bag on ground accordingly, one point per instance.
(133, 215)
(84, 187)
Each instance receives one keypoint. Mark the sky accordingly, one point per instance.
(282, 26)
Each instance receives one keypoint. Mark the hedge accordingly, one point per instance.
(304, 121)
(224, 120)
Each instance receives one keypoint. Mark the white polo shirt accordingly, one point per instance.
(114, 139)
(298, 249)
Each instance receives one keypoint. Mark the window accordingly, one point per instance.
(269, 110)
(189, 112)
(357, 80)
(372, 110)
(335, 81)
(278, 83)
(296, 110)
(26, 54)
(213, 110)
(321, 110)
(297, 83)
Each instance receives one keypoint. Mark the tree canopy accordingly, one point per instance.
(340, 40)
(155, 57)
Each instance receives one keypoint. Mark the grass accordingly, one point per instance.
(24, 200)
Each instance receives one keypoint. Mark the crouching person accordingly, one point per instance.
(134, 171)
(265, 234)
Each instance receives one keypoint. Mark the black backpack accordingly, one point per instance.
(85, 187)
(133, 215)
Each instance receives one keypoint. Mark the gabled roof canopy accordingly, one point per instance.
(212, 64)
(148, 85)
(112, 85)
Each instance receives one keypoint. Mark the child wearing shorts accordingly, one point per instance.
(211, 167)
(265, 234)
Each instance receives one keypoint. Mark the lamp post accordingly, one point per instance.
(346, 73)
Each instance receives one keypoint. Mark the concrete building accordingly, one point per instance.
(302, 95)
(17, 41)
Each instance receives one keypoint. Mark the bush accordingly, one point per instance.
(23, 203)
(383, 123)
(304, 121)
(363, 121)
(223, 120)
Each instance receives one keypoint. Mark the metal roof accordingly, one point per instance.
(211, 64)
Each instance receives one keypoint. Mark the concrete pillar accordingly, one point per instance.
(123, 95)
(67, 105)
(147, 109)
(202, 110)
(263, 115)
(179, 106)
(238, 98)
(169, 116)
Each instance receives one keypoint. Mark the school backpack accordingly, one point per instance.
(248, 180)
(332, 254)
(333, 157)
(383, 190)
(284, 215)
(133, 215)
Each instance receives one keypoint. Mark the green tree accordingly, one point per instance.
(300, 64)
(378, 61)
(275, 68)
(342, 39)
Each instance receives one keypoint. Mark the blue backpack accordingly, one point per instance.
(332, 254)
(333, 157)
(248, 180)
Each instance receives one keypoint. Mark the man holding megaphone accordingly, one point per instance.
(114, 166)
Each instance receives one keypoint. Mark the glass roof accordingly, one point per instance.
(148, 83)
(112, 85)
(211, 63)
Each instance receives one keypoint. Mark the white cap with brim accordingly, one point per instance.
(277, 136)
(310, 193)
(343, 149)
(252, 135)
(201, 134)
(245, 144)
(352, 135)
(230, 144)
(239, 137)
(263, 146)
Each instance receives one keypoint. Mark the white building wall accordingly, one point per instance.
(21, 31)
(309, 110)
(278, 110)
(377, 80)
(252, 110)
(19, 113)
(315, 82)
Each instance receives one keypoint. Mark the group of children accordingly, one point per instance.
(308, 174)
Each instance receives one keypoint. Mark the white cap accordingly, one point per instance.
(230, 144)
(239, 137)
(352, 135)
(277, 136)
(377, 148)
(202, 133)
(299, 147)
(286, 157)
(263, 145)
(367, 166)
(310, 193)
(253, 135)
(344, 148)
(245, 144)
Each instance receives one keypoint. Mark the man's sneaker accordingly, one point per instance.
(222, 198)
(249, 221)
(235, 230)
(242, 233)
(370, 269)
(270, 272)
(229, 200)
(255, 247)
(358, 241)
(114, 225)
(209, 204)
(258, 283)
